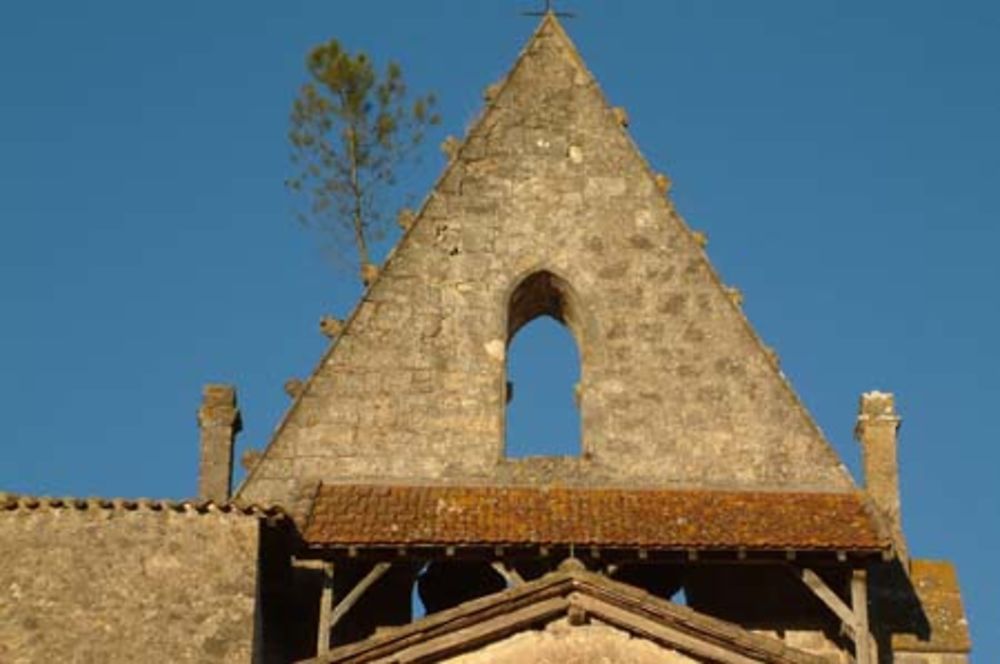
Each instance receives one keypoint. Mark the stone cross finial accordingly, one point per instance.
(549, 10)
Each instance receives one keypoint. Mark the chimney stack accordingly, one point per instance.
(876, 429)
(219, 422)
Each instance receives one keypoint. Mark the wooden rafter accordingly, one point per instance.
(864, 646)
(325, 609)
(329, 617)
(854, 618)
(831, 599)
(510, 575)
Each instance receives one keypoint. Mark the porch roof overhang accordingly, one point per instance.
(649, 523)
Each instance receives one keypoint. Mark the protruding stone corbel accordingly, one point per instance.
(735, 294)
(772, 355)
(449, 146)
(405, 219)
(250, 459)
(331, 327)
(621, 116)
(294, 387)
(663, 183)
(369, 272)
(492, 91)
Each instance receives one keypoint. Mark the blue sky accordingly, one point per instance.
(841, 156)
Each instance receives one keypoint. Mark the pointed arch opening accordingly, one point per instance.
(544, 366)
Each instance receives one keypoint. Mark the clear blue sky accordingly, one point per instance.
(843, 158)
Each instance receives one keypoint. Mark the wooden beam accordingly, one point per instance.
(656, 630)
(325, 610)
(344, 605)
(831, 599)
(509, 574)
(864, 650)
(482, 630)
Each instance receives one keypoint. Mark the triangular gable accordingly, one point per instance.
(676, 389)
(578, 600)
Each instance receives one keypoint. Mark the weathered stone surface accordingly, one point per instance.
(110, 585)
(930, 658)
(219, 422)
(876, 429)
(561, 642)
(676, 390)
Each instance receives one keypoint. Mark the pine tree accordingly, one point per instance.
(350, 130)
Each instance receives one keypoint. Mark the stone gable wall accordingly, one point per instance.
(559, 642)
(675, 389)
(103, 586)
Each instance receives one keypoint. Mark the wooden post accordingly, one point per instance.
(325, 611)
(854, 618)
(864, 652)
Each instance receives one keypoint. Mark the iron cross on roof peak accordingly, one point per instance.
(549, 10)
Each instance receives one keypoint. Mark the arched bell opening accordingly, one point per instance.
(544, 369)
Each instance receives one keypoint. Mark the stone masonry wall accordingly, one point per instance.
(559, 642)
(100, 586)
(930, 658)
(675, 388)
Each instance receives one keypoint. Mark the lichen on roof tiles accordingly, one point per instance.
(395, 515)
(17, 503)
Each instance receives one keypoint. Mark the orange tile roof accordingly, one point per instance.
(16, 503)
(375, 515)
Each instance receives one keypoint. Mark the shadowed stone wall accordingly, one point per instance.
(109, 585)
(930, 658)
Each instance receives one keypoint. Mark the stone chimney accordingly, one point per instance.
(219, 421)
(876, 429)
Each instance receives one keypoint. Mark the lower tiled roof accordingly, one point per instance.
(12, 502)
(375, 515)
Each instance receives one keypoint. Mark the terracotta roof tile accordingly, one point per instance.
(12, 503)
(375, 515)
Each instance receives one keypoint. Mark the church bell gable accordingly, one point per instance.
(548, 200)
